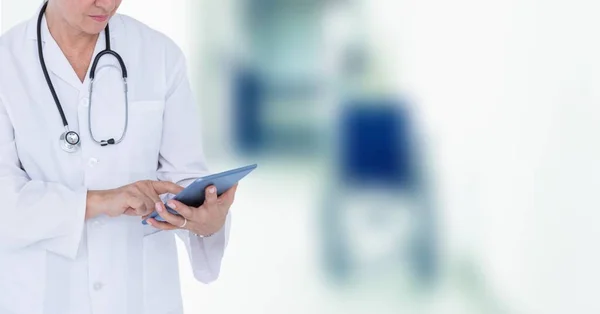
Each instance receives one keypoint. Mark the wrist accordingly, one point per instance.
(94, 202)
(204, 233)
(202, 236)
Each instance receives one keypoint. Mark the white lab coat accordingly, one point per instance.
(51, 260)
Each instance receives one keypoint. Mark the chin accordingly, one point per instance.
(94, 29)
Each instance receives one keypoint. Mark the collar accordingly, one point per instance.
(55, 59)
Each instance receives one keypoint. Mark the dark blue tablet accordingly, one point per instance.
(193, 195)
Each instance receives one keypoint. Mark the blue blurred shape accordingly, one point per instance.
(247, 98)
(380, 188)
(375, 143)
(258, 131)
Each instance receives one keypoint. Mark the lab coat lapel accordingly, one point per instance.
(56, 62)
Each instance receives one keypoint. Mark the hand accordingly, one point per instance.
(204, 220)
(136, 199)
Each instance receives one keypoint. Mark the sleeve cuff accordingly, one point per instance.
(206, 254)
(68, 245)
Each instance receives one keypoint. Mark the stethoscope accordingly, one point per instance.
(70, 140)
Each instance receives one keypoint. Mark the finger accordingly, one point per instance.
(149, 214)
(229, 196)
(136, 204)
(152, 194)
(182, 209)
(210, 200)
(161, 225)
(164, 187)
(130, 212)
(151, 198)
(146, 207)
(168, 217)
(141, 201)
(149, 205)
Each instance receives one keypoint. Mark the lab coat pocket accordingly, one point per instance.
(147, 105)
(162, 291)
(141, 147)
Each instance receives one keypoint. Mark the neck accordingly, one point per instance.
(66, 36)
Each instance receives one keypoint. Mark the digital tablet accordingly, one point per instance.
(193, 195)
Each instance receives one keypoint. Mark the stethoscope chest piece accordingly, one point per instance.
(69, 141)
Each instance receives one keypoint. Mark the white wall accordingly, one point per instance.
(510, 92)
(170, 17)
(16, 11)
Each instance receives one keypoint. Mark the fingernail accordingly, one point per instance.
(150, 223)
(212, 190)
(172, 205)
(159, 207)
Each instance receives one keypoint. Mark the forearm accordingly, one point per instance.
(95, 204)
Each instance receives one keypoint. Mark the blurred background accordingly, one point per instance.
(414, 156)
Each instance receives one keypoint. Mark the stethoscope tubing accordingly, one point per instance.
(71, 146)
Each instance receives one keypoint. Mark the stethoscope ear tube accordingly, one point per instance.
(112, 53)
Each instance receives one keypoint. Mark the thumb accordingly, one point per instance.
(130, 212)
(164, 187)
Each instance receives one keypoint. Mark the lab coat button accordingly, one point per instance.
(92, 162)
(85, 102)
(98, 286)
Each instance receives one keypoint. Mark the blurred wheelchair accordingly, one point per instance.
(377, 217)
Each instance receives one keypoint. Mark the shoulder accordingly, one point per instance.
(148, 46)
(14, 46)
(16, 35)
(147, 37)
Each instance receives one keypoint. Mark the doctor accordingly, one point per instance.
(97, 124)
